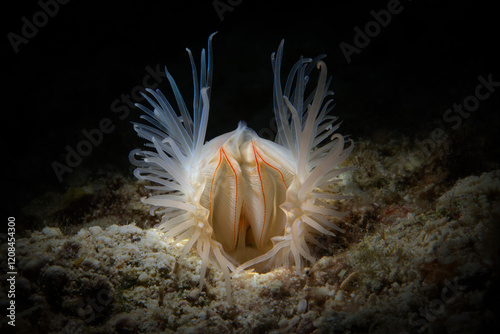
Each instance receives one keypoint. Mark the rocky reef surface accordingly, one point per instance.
(420, 254)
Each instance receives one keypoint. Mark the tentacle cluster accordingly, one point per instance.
(241, 200)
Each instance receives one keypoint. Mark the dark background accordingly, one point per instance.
(66, 77)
